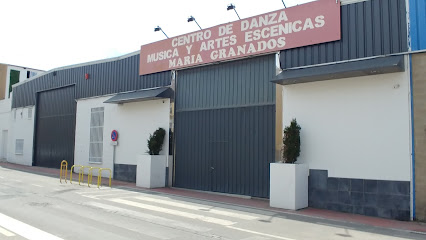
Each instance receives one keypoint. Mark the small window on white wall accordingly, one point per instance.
(96, 135)
(30, 113)
(19, 146)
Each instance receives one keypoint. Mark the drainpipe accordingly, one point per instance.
(413, 162)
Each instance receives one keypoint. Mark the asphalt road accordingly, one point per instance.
(37, 207)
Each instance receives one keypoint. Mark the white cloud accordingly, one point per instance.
(46, 34)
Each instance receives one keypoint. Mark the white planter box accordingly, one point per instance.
(289, 186)
(151, 171)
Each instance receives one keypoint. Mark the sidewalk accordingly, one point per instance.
(245, 202)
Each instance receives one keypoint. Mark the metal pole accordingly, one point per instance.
(237, 13)
(164, 33)
(197, 24)
(283, 3)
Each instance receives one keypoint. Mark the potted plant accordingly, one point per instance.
(151, 169)
(288, 180)
(155, 141)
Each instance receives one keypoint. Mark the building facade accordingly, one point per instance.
(351, 98)
(69, 105)
(358, 100)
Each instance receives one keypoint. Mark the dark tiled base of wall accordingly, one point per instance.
(125, 172)
(377, 198)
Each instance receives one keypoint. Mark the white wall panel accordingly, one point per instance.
(21, 127)
(133, 121)
(354, 127)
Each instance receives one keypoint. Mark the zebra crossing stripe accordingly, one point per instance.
(197, 207)
(174, 212)
(259, 233)
(6, 233)
(149, 218)
(108, 195)
(25, 230)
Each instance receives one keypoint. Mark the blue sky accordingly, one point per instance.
(46, 34)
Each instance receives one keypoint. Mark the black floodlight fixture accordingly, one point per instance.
(192, 19)
(158, 28)
(283, 3)
(232, 6)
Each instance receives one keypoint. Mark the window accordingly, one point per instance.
(96, 135)
(19, 146)
(30, 113)
(31, 74)
(14, 78)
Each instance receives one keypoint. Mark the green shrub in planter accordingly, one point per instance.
(155, 141)
(291, 142)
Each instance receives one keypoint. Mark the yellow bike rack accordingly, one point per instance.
(81, 174)
(72, 172)
(100, 176)
(90, 175)
(63, 171)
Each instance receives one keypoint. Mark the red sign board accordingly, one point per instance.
(301, 25)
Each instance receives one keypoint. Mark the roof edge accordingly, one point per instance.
(80, 65)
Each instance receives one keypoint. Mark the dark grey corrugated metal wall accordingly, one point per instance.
(55, 127)
(232, 84)
(370, 28)
(105, 78)
(225, 119)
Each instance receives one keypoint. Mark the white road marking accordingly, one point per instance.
(333, 225)
(152, 233)
(259, 233)
(197, 207)
(256, 238)
(174, 212)
(97, 190)
(25, 230)
(105, 195)
(35, 185)
(11, 185)
(148, 217)
(90, 197)
(6, 233)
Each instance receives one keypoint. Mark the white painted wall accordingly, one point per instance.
(21, 127)
(5, 106)
(354, 127)
(133, 121)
